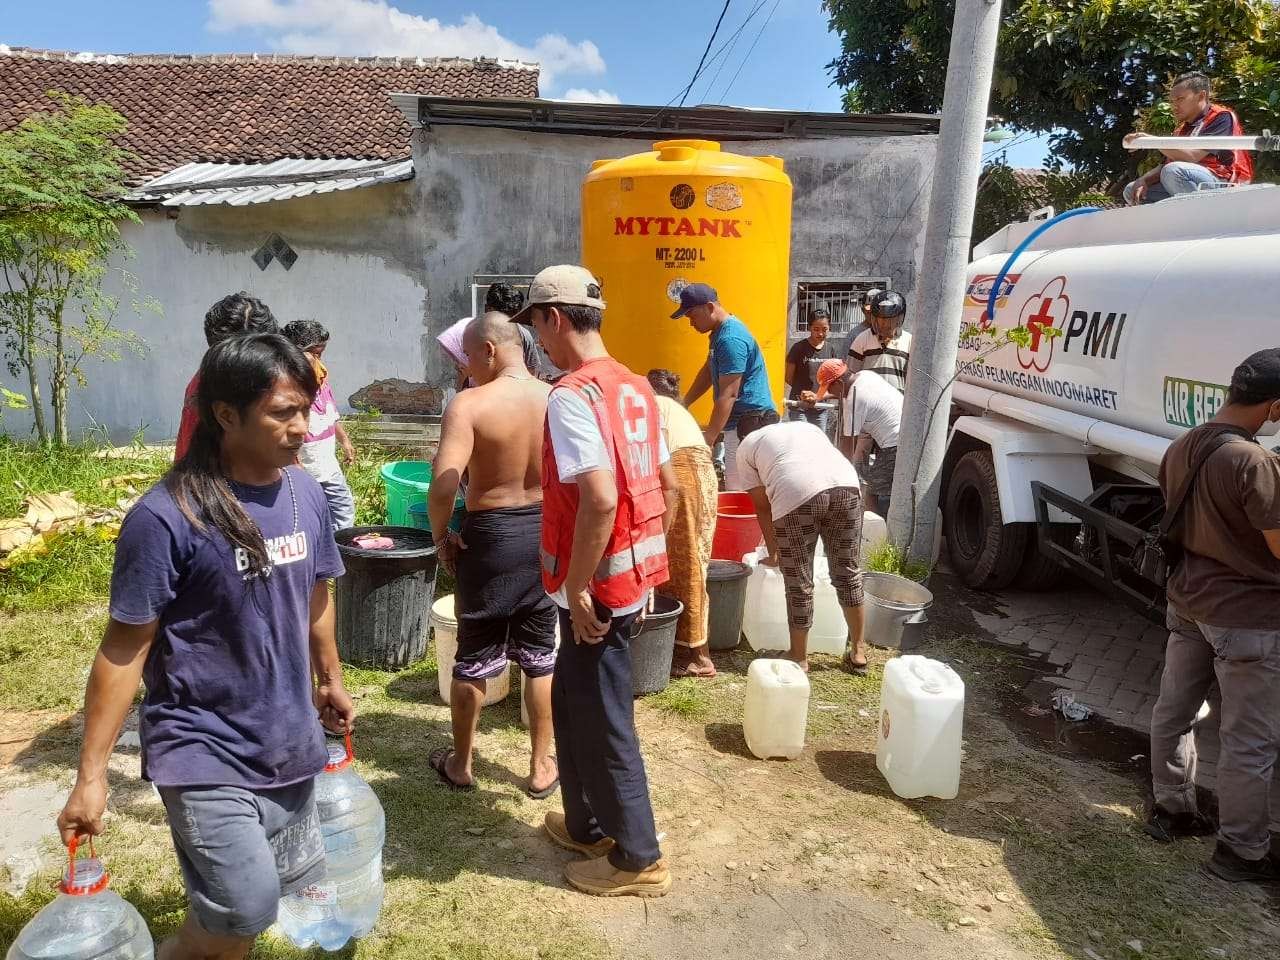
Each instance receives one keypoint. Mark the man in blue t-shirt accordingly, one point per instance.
(220, 606)
(734, 372)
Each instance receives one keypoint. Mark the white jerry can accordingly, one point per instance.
(918, 743)
(776, 710)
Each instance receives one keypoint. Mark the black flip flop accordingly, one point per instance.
(546, 791)
(438, 760)
(857, 669)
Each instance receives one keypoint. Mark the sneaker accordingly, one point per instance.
(1168, 827)
(553, 823)
(1227, 865)
(600, 878)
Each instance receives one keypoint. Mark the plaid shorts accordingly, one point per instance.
(836, 516)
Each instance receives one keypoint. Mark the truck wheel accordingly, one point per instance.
(985, 552)
(1038, 571)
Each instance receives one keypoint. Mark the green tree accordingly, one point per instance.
(61, 184)
(1004, 196)
(1091, 69)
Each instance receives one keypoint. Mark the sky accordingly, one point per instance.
(768, 53)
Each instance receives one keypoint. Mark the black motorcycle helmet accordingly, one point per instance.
(888, 313)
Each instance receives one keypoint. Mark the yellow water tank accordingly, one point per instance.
(687, 212)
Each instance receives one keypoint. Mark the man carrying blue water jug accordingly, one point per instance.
(220, 605)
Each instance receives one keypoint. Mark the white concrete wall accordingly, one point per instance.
(372, 309)
(387, 268)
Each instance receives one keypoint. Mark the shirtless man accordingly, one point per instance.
(493, 433)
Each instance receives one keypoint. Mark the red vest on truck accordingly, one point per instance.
(1240, 170)
(635, 558)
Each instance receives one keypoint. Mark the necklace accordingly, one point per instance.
(293, 499)
(512, 376)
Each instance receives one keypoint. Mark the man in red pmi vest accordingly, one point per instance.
(608, 488)
(1185, 171)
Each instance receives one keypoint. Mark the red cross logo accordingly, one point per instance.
(1044, 310)
(634, 413)
(1038, 322)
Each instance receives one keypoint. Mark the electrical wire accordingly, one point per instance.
(724, 96)
(721, 51)
(725, 50)
(703, 59)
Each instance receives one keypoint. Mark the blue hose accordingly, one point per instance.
(1017, 252)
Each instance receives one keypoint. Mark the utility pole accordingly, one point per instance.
(936, 324)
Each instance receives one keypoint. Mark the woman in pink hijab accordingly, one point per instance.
(451, 343)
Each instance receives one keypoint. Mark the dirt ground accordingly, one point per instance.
(1039, 857)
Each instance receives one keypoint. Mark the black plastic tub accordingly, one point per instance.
(652, 646)
(384, 599)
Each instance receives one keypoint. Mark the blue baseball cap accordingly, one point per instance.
(695, 295)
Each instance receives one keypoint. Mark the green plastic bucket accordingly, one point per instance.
(406, 482)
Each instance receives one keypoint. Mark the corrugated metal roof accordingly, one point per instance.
(641, 122)
(240, 184)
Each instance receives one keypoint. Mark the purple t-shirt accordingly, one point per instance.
(228, 679)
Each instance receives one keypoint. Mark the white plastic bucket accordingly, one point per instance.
(445, 626)
(889, 603)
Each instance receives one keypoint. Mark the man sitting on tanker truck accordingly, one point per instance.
(734, 372)
(885, 348)
(1189, 170)
(1223, 597)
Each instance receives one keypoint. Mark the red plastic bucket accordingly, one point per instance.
(737, 527)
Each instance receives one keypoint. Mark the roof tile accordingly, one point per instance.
(250, 108)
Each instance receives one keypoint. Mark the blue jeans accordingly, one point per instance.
(819, 418)
(1178, 177)
(602, 778)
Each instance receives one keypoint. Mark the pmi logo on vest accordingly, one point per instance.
(633, 411)
(1085, 334)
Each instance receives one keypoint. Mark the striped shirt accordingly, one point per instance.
(868, 353)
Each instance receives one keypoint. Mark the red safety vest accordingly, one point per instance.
(635, 559)
(1240, 170)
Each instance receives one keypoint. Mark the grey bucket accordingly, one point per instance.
(727, 590)
(893, 607)
(652, 645)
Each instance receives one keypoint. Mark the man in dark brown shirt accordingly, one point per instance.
(1224, 624)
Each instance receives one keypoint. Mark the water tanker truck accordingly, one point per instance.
(1052, 461)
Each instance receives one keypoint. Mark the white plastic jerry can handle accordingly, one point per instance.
(782, 670)
(928, 676)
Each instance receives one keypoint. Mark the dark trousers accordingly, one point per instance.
(602, 780)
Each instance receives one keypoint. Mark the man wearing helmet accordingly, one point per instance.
(885, 348)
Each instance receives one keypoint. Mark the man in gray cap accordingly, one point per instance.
(734, 372)
(1223, 598)
(608, 492)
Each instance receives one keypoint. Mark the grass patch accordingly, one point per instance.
(44, 658)
(887, 557)
(75, 569)
(27, 468)
(688, 698)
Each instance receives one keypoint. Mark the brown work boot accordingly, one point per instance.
(556, 829)
(600, 878)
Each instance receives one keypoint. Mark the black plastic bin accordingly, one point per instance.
(727, 592)
(384, 600)
(652, 646)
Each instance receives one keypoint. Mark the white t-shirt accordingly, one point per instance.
(579, 447)
(876, 409)
(794, 462)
